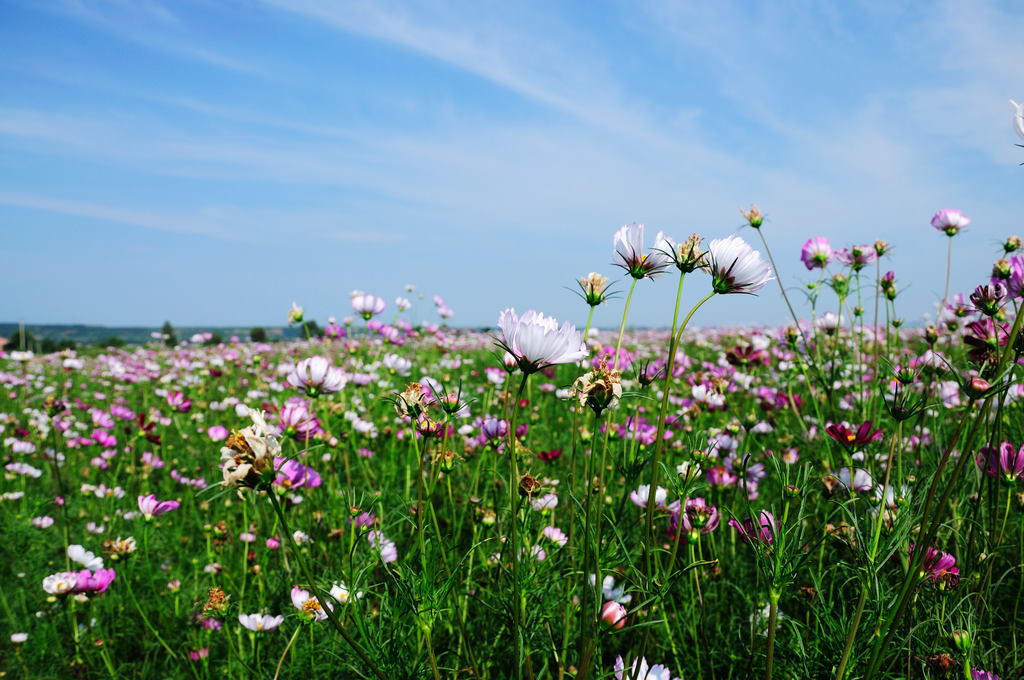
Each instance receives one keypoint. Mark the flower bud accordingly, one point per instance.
(613, 615)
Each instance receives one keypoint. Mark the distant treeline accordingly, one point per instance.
(48, 338)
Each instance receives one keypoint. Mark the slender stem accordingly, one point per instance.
(622, 327)
(518, 605)
(319, 595)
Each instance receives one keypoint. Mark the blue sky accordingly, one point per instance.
(211, 162)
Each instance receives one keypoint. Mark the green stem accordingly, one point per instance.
(319, 595)
(622, 327)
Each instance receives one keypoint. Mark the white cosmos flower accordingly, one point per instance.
(260, 622)
(316, 375)
(77, 553)
(736, 267)
(1018, 118)
(535, 340)
(629, 252)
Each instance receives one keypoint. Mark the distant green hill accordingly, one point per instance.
(133, 335)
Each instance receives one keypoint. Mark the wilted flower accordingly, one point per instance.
(536, 341)
(295, 314)
(594, 287)
(950, 222)
(687, 256)
(753, 216)
(736, 267)
(629, 252)
(599, 389)
(248, 453)
(816, 253)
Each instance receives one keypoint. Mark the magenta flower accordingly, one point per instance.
(697, 517)
(296, 420)
(293, 474)
(950, 222)
(764, 532)
(316, 375)
(94, 581)
(977, 673)
(1011, 462)
(151, 507)
(939, 568)
(816, 253)
(179, 402)
(218, 433)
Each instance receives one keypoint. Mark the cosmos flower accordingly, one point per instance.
(536, 341)
(307, 604)
(864, 434)
(629, 252)
(857, 257)
(763, 532)
(150, 507)
(736, 267)
(950, 222)
(87, 559)
(816, 253)
(640, 670)
(368, 306)
(316, 375)
(260, 622)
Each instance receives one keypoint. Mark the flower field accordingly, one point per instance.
(836, 497)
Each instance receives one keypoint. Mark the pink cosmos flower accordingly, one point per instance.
(950, 222)
(368, 305)
(816, 253)
(316, 375)
(218, 433)
(857, 256)
(308, 604)
(151, 507)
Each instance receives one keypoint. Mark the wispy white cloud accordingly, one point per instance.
(223, 222)
(147, 24)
